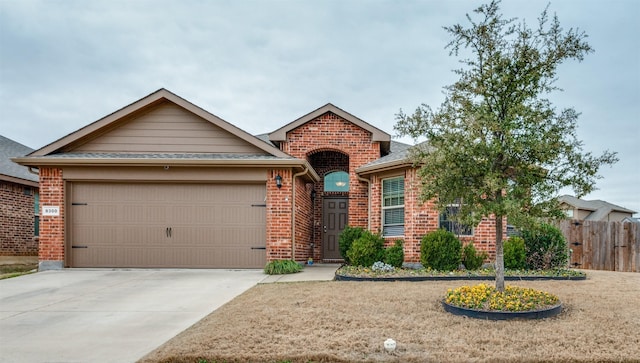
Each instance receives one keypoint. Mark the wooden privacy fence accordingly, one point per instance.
(612, 246)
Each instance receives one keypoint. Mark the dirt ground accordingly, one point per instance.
(349, 321)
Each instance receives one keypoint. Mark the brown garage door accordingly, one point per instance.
(168, 225)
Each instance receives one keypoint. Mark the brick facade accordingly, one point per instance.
(294, 213)
(52, 227)
(331, 143)
(17, 220)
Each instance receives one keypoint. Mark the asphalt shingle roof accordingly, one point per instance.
(599, 208)
(10, 149)
(142, 156)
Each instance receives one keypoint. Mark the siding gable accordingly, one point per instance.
(167, 128)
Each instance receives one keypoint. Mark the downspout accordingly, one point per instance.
(36, 172)
(368, 200)
(293, 211)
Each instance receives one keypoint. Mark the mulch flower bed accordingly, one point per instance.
(358, 273)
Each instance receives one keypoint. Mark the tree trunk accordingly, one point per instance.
(499, 255)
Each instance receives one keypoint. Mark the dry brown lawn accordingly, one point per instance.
(348, 322)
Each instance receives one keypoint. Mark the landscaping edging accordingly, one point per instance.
(339, 277)
(503, 315)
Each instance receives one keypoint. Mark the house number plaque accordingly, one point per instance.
(50, 210)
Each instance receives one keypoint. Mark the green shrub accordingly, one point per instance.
(347, 236)
(394, 255)
(546, 247)
(515, 254)
(471, 259)
(281, 267)
(366, 250)
(440, 250)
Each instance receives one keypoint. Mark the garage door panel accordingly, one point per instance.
(166, 225)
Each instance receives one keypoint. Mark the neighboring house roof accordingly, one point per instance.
(599, 208)
(631, 220)
(10, 171)
(376, 134)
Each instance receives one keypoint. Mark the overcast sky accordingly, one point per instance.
(262, 64)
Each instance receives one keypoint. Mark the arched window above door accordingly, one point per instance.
(337, 181)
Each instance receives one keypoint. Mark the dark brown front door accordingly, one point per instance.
(335, 212)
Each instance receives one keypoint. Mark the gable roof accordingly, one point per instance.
(376, 134)
(599, 208)
(155, 98)
(10, 171)
(69, 150)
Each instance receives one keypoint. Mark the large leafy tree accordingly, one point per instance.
(496, 144)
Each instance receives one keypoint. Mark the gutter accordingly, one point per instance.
(293, 211)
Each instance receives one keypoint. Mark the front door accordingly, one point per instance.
(335, 212)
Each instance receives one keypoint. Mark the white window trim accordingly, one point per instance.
(383, 208)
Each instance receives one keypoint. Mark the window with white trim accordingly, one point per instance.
(393, 206)
(448, 222)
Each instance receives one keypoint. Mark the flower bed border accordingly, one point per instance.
(503, 315)
(339, 277)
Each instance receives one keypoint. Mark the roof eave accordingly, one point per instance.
(377, 135)
(382, 167)
(297, 164)
(21, 181)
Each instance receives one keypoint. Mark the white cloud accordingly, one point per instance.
(262, 64)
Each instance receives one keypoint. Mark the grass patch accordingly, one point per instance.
(15, 270)
(339, 321)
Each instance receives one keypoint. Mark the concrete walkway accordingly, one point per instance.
(315, 272)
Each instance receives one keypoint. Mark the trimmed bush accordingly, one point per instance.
(366, 250)
(471, 259)
(515, 254)
(282, 267)
(347, 236)
(546, 248)
(394, 255)
(440, 250)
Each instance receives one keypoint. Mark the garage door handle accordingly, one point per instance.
(79, 246)
(258, 248)
(168, 232)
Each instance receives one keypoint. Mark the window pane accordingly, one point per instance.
(393, 231)
(447, 222)
(393, 192)
(394, 216)
(338, 181)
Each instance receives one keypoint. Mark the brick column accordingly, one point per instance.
(279, 215)
(51, 252)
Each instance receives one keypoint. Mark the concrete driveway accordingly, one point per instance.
(86, 315)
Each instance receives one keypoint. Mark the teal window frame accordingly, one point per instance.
(336, 181)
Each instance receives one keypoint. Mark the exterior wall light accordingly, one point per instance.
(278, 181)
